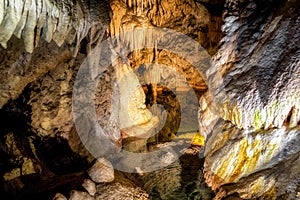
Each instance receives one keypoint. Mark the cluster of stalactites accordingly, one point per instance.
(61, 21)
(139, 5)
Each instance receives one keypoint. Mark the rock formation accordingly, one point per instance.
(252, 142)
(244, 99)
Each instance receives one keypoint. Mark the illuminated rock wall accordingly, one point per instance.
(250, 115)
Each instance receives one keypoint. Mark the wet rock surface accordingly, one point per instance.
(182, 179)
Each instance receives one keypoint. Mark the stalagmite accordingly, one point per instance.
(135, 119)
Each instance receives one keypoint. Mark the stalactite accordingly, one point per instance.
(81, 27)
(28, 32)
(39, 8)
(111, 30)
(41, 21)
(18, 7)
(10, 21)
(62, 27)
(2, 8)
(47, 29)
(55, 17)
(20, 26)
(28, 19)
(295, 117)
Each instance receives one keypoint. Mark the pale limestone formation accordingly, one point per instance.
(128, 20)
(58, 21)
(89, 186)
(132, 111)
(101, 171)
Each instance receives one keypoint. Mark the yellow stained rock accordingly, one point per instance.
(196, 137)
(198, 140)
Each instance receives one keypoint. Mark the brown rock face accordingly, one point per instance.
(122, 188)
(37, 75)
(250, 114)
(259, 64)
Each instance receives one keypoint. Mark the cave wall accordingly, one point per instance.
(40, 57)
(258, 62)
(249, 111)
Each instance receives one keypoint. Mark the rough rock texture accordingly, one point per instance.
(249, 104)
(258, 64)
(59, 196)
(37, 77)
(79, 195)
(89, 186)
(21, 68)
(102, 171)
(250, 115)
(121, 188)
(253, 164)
